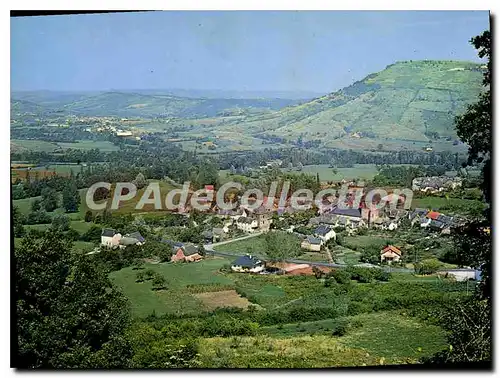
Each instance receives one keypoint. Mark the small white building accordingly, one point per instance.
(312, 243)
(248, 263)
(110, 238)
(247, 224)
(325, 232)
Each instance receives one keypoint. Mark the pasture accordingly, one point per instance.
(32, 145)
(359, 171)
(449, 205)
(176, 299)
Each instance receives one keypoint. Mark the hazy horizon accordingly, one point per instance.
(234, 51)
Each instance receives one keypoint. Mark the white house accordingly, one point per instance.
(324, 232)
(248, 263)
(247, 224)
(109, 238)
(312, 243)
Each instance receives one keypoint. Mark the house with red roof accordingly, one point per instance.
(390, 254)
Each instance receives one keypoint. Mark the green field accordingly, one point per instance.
(449, 205)
(125, 207)
(174, 300)
(24, 204)
(359, 171)
(33, 145)
(104, 146)
(255, 246)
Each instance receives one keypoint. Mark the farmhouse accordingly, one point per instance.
(390, 253)
(312, 243)
(136, 235)
(248, 263)
(247, 224)
(186, 253)
(110, 238)
(324, 232)
(263, 217)
(417, 216)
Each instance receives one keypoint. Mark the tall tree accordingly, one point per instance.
(49, 199)
(469, 323)
(281, 246)
(68, 314)
(71, 198)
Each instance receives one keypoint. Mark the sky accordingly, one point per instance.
(234, 50)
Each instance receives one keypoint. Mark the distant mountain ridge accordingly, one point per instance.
(131, 104)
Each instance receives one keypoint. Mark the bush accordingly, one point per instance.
(159, 282)
(381, 275)
(149, 274)
(140, 277)
(363, 275)
(340, 328)
(341, 276)
(72, 234)
(428, 266)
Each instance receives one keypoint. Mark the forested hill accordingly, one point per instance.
(409, 100)
(128, 104)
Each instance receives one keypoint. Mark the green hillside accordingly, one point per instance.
(408, 101)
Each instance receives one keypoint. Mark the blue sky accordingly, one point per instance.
(253, 51)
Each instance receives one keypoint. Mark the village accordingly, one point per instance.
(316, 232)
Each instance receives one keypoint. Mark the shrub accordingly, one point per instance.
(340, 329)
(363, 275)
(381, 275)
(140, 276)
(428, 266)
(342, 276)
(159, 282)
(149, 274)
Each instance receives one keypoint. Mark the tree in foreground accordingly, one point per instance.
(469, 322)
(68, 314)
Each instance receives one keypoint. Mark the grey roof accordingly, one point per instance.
(322, 230)
(245, 220)
(108, 232)
(445, 219)
(262, 210)
(207, 234)
(190, 249)
(137, 236)
(350, 212)
(128, 241)
(436, 224)
(313, 240)
(218, 231)
(247, 261)
(175, 245)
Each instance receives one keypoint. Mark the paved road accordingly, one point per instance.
(210, 250)
(209, 247)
